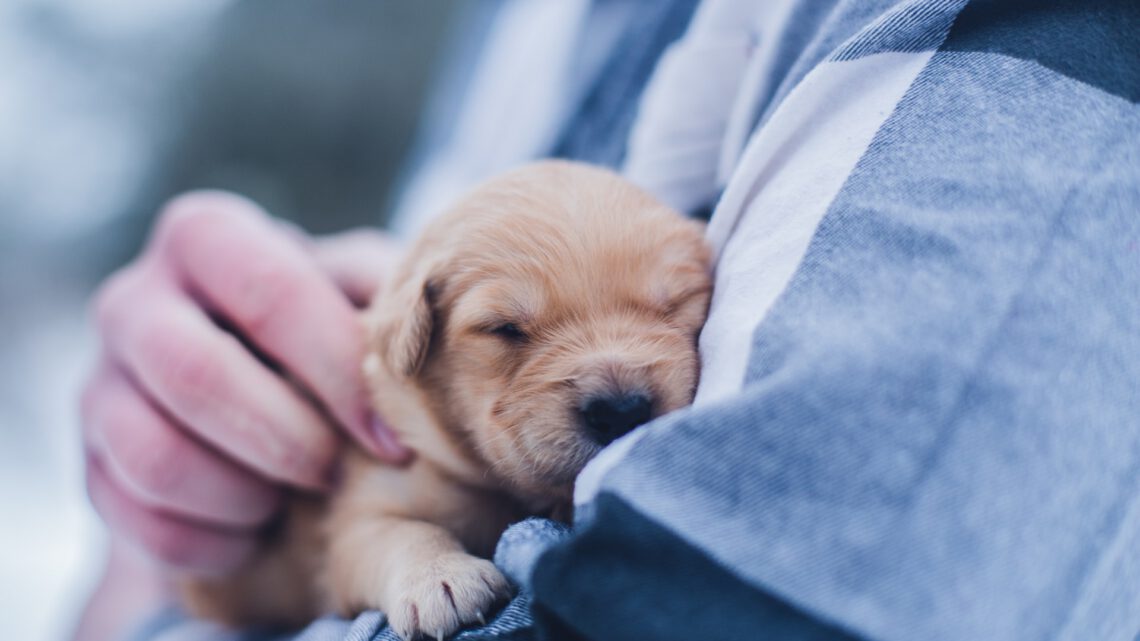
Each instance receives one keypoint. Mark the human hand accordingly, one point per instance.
(190, 431)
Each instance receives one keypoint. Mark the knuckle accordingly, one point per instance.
(158, 469)
(172, 546)
(304, 460)
(189, 374)
(182, 368)
(188, 218)
(146, 454)
(266, 290)
(196, 549)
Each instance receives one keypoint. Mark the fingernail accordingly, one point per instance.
(386, 440)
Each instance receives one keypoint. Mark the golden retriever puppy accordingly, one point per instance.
(550, 312)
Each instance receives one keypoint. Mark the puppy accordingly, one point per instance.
(550, 312)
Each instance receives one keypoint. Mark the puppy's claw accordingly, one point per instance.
(447, 593)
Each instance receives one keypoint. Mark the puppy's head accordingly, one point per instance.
(552, 311)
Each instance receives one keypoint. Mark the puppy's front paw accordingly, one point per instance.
(453, 591)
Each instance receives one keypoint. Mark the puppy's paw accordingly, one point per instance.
(453, 591)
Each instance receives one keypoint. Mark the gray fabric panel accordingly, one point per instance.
(1094, 41)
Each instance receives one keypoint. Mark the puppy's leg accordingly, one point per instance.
(276, 588)
(273, 592)
(415, 572)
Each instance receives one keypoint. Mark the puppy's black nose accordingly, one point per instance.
(609, 417)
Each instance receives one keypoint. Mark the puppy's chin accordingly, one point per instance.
(538, 457)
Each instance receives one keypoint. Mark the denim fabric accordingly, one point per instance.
(522, 544)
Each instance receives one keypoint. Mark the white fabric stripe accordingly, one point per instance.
(789, 174)
(589, 480)
(771, 20)
(679, 131)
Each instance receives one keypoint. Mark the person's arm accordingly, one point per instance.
(230, 367)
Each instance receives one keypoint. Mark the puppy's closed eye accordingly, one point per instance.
(509, 331)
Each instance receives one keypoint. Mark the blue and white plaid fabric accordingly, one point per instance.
(919, 414)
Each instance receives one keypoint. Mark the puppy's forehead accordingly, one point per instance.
(493, 297)
(564, 236)
(540, 268)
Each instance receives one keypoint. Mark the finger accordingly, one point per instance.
(357, 261)
(210, 384)
(164, 468)
(229, 253)
(179, 544)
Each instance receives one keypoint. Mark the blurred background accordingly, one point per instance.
(109, 107)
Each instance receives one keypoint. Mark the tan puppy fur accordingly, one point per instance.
(543, 296)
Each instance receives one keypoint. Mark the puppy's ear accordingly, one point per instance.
(401, 321)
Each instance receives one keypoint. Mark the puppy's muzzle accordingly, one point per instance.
(609, 416)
